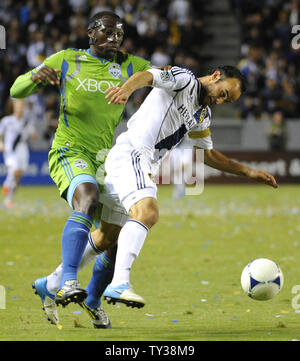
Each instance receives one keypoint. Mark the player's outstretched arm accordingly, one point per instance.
(217, 160)
(47, 73)
(120, 95)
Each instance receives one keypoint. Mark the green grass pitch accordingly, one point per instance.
(188, 271)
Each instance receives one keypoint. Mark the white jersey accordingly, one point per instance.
(15, 133)
(169, 112)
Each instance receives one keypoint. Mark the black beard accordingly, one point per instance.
(203, 94)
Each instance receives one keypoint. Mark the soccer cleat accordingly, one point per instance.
(97, 315)
(5, 190)
(8, 204)
(47, 298)
(125, 294)
(70, 292)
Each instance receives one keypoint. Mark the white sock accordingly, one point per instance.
(10, 181)
(11, 184)
(90, 253)
(130, 243)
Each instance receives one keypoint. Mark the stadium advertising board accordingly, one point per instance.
(284, 166)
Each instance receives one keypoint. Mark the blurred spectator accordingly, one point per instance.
(100, 5)
(294, 13)
(249, 108)
(270, 95)
(38, 49)
(267, 59)
(179, 10)
(77, 5)
(277, 132)
(159, 57)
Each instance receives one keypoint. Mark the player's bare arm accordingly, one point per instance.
(217, 160)
(47, 75)
(120, 95)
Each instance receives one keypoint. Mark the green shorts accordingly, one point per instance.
(65, 164)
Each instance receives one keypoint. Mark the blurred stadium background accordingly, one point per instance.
(256, 35)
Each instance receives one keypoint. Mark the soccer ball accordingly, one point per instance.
(262, 279)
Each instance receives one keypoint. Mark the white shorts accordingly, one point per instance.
(18, 159)
(128, 180)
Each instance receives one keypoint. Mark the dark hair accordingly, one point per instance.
(100, 14)
(229, 71)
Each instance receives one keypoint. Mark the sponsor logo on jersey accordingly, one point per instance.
(185, 114)
(80, 164)
(114, 69)
(83, 57)
(93, 85)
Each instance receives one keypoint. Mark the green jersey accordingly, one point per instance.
(86, 120)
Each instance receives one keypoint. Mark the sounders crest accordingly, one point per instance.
(115, 69)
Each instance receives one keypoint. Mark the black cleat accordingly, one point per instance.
(70, 292)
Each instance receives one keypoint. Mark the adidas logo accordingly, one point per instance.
(83, 57)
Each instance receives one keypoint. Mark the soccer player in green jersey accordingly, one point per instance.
(86, 126)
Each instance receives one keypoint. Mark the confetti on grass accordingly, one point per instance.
(77, 324)
(281, 325)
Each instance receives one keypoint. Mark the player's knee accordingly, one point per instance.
(145, 212)
(92, 203)
(151, 218)
(88, 205)
(86, 199)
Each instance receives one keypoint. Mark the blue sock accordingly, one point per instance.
(102, 275)
(74, 240)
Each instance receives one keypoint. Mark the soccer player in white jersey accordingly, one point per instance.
(15, 132)
(166, 115)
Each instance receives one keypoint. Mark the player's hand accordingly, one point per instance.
(165, 68)
(47, 75)
(118, 95)
(261, 176)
